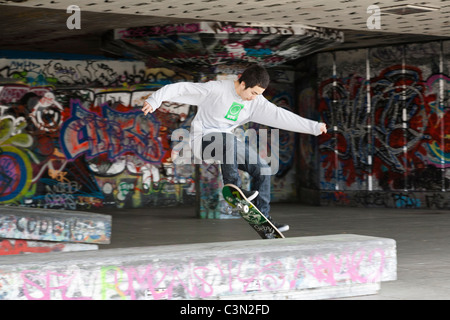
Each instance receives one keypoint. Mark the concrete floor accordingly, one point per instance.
(423, 238)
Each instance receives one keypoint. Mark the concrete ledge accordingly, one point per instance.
(54, 225)
(321, 267)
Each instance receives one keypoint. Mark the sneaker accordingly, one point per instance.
(281, 227)
(250, 195)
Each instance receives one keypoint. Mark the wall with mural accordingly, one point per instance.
(387, 113)
(72, 136)
(207, 44)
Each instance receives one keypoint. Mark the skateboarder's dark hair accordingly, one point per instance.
(255, 76)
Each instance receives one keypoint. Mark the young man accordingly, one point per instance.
(222, 107)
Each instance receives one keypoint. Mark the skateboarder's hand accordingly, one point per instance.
(147, 108)
(323, 128)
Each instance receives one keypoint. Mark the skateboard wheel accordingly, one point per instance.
(246, 209)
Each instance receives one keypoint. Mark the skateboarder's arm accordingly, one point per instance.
(270, 115)
(181, 92)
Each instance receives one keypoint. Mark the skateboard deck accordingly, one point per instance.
(248, 211)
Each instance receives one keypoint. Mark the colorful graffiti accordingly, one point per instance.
(13, 247)
(88, 147)
(206, 44)
(397, 133)
(388, 133)
(224, 277)
(112, 133)
(87, 73)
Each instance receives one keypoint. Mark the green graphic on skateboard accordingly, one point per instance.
(248, 211)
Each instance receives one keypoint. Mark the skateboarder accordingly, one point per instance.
(222, 107)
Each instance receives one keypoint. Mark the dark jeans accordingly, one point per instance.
(235, 155)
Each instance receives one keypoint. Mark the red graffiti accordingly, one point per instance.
(21, 246)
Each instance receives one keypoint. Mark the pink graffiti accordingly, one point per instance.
(220, 277)
(334, 269)
(43, 283)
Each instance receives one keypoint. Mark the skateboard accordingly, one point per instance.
(248, 211)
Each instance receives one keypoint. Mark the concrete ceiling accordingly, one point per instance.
(41, 25)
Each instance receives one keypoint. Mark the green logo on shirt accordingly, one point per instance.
(233, 112)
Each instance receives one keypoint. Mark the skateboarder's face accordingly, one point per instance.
(248, 94)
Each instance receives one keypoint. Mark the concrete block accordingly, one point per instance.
(54, 225)
(321, 267)
(11, 247)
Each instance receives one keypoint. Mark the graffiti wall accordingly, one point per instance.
(72, 136)
(388, 117)
(202, 45)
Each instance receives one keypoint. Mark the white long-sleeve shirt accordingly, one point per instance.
(221, 109)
